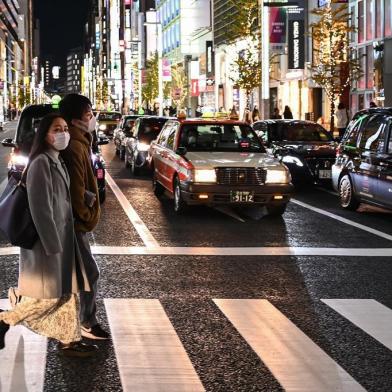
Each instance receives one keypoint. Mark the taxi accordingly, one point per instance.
(215, 161)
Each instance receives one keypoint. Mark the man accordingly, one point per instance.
(77, 111)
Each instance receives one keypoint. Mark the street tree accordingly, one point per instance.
(151, 87)
(243, 25)
(335, 64)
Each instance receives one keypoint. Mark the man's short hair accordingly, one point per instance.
(72, 106)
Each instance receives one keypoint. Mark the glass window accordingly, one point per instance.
(369, 19)
(171, 138)
(351, 135)
(372, 133)
(388, 17)
(362, 60)
(299, 132)
(361, 22)
(379, 15)
(369, 67)
(390, 140)
(352, 22)
(150, 129)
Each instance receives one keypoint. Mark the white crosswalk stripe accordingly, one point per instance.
(149, 353)
(367, 314)
(296, 362)
(23, 361)
(151, 357)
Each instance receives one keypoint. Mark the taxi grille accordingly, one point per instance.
(241, 175)
(316, 164)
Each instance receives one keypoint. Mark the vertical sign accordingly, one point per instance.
(166, 70)
(277, 26)
(296, 44)
(195, 88)
(209, 59)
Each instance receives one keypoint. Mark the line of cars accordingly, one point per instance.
(223, 161)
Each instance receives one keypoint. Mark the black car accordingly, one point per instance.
(363, 168)
(122, 132)
(21, 145)
(306, 148)
(144, 131)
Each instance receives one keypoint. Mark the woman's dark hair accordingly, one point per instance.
(72, 106)
(287, 109)
(341, 105)
(40, 145)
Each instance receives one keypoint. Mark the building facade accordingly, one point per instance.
(74, 77)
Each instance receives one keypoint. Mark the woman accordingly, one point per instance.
(341, 119)
(255, 114)
(276, 115)
(50, 274)
(287, 113)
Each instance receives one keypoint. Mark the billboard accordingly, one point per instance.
(296, 50)
(277, 26)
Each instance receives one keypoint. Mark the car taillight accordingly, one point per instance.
(100, 174)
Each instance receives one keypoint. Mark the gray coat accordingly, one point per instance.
(52, 268)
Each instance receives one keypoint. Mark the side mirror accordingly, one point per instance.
(181, 151)
(8, 143)
(102, 140)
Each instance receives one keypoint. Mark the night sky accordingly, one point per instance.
(62, 24)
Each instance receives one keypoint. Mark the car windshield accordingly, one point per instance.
(299, 132)
(28, 125)
(129, 122)
(150, 129)
(109, 116)
(219, 137)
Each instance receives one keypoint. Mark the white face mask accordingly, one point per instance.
(92, 124)
(61, 141)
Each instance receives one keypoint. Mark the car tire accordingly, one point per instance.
(102, 195)
(346, 194)
(179, 203)
(157, 188)
(278, 210)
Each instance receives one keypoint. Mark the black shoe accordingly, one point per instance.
(3, 330)
(95, 333)
(78, 349)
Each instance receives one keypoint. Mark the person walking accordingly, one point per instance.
(77, 111)
(276, 115)
(247, 117)
(255, 114)
(341, 116)
(51, 273)
(287, 113)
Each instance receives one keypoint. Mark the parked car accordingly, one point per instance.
(107, 122)
(217, 161)
(22, 142)
(144, 131)
(122, 132)
(363, 168)
(306, 148)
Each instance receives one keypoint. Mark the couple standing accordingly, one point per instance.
(64, 204)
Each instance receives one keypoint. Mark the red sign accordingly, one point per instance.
(195, 88)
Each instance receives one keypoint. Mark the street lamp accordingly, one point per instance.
(159, 50)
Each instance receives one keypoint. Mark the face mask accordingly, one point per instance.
(92, 124)
(61, 141)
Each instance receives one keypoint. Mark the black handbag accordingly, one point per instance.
(16, 222)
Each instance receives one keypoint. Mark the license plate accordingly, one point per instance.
(241, 197)
(325, 174)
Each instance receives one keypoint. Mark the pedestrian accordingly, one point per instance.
(234, 114)
(276, 115)
(341, 116)
(166, 111)
(51, 273)
(372, 104)
(255, 114)
(287, 112)
(198, 111)
(77, 111)
(247, 117)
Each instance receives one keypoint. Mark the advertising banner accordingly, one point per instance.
(277, 26)
(296, 50)
(195, 88)
(166, 70)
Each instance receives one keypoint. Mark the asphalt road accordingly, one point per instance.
(293, 340)
(8, 132)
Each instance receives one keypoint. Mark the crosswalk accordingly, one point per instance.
(150, 356)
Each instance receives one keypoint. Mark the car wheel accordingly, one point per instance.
(276, 210)
(126, 163)
(346, 192)
(121, 153)
(179, 203)
(157, 188)
(102, 195)
(134, 169)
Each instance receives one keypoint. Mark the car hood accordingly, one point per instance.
(210, 160)
(309, 148)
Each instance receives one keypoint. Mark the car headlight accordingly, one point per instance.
(205, 175)
(143, 147)
(290, 159)
(277, 177)
(18, 160)
(102, 127)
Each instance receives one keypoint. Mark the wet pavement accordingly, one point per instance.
(187, 285)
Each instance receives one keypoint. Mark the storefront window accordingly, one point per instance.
(379, 16)
(362, 60)
(388, 17)
(369, 20)
(352, 23)
(369, 67)
(361, 21)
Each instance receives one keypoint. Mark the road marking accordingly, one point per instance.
(343, 220)
(149, 353)
(229, 251)
(137, 223)
(23, 361)
(296, 362)
(367, 314)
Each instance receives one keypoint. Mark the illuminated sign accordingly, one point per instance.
(296, 44)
